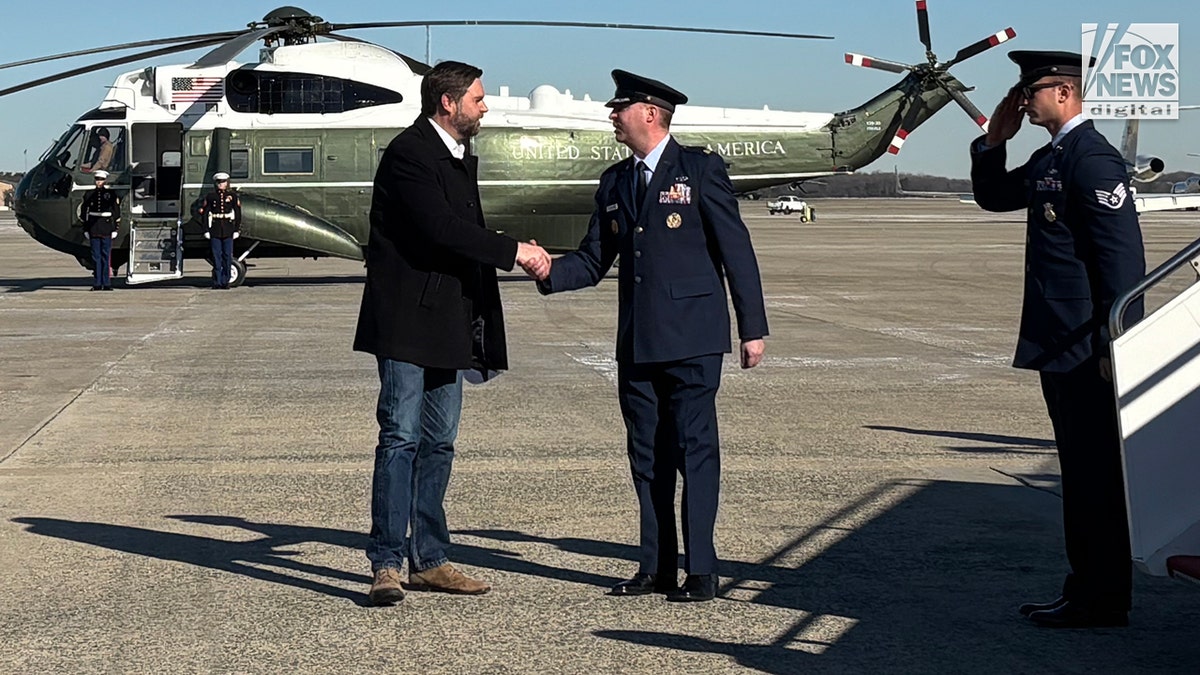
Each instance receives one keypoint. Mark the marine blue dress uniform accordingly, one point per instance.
(100, 212)
(1083, 249)
(222, 213)
(679, 247)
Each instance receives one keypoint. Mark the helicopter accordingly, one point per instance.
(302, 130)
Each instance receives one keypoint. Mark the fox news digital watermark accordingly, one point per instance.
(1136, 73)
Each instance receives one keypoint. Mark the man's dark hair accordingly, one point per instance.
(451, 78)
(102, 132)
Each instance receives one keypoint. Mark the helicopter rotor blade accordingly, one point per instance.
(225, 53)
(126, 45)
(878, 64)
(923, 24)
(111, 62)
(981, 46)
(965, 103)
(910, 117)
(574, 24)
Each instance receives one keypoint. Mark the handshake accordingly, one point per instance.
(533, 259)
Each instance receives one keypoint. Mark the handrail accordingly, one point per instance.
(1116, 316)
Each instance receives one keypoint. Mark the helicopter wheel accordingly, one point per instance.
(237, 273)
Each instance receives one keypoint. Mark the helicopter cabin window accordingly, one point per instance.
(287, 160)
(67, 151)
(270, 93)
(239, 163)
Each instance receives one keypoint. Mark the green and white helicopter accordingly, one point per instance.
(301, 132)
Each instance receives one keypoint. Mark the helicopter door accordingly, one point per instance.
(157, 173)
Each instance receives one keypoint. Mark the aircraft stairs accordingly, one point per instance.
(1156, 372)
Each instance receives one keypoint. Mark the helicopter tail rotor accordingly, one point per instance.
(933, 74)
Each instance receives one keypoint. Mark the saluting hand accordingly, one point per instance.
(752, 352)
(1006, 121)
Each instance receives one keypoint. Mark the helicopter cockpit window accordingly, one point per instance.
(67, 151)
(105, 150)
(270, 93)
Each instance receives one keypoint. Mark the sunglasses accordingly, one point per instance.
(1029, 90)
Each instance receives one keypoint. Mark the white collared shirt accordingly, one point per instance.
(651, 158)
(1066, 128)
(457, 149)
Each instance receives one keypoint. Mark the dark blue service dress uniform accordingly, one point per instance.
(222, 212)
(678, 249)
(1083, 249)
(101, 216)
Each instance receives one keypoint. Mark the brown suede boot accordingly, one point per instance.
(386, 589)
(446, 579)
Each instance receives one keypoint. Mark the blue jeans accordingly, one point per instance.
(222, 251)
(101, 261)
(418, 415)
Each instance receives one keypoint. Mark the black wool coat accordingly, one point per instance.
(431, 297)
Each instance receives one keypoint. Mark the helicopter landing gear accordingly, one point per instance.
(237, 270)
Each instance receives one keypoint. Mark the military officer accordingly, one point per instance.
(670, 213)
(221, 211)
(100, 213)
(1083, 249)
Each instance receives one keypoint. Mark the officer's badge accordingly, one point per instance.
(1113, 200)
(611, 207)
(615, 227)
(1049, 212)
(674, 220)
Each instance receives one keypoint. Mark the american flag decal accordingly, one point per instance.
(197, 89)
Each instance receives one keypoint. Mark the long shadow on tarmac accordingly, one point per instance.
(229, 556)
(931, 584)
(915, 576)
(1007, 444)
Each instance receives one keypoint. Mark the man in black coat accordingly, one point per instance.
(430, 309)
(1083, 249)
(669, 211)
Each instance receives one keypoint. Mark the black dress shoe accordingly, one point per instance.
(95, 288)
(642, 584)
(1074, 615)
(1031, 607)
(696, 588)
(106, 288)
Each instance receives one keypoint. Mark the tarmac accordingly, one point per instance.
(185, 475)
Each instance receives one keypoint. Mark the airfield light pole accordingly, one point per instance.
(26, 160)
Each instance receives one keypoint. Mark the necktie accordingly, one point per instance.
(641, 183)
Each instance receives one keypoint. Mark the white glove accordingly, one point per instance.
(236, 235)
(86, 236)
(208, 235)
(114, 235)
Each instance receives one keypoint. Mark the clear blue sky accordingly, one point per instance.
(713, 70)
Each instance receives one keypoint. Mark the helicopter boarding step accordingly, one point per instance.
(155, 250)
(1156, 372)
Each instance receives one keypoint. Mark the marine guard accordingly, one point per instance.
(222, 214)
(100, 213)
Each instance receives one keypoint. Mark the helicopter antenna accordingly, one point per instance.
(429, 44)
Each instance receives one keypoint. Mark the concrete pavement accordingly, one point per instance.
(184, 475)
